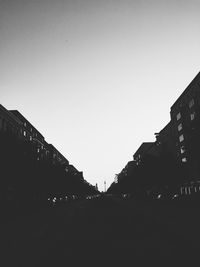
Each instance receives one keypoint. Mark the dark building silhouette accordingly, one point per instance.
(10, 124)
(32, 170)
(29, 131)
(181, 135)
(14, 123)
(126, 171)
(56, 157)
(185, 118)
(39, 149)
(146, 148)
(166, 138)
(177, 144)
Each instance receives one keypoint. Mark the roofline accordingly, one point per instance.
(186, 90)
(150, 144)
(11, 111)
(10, 114)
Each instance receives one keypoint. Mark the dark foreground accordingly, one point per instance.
(106, 231)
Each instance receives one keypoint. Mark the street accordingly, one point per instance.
(103, 231)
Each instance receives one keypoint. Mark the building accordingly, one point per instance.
(33, 171)
(29, 131)
(127, 171)
(177, 144)
(74, 172)
(25, 156)
(56, 157)
(146, 148)
(129, 168)
(39, 149)
(180, 137)
(185, 121)
(35, 145)
(9, 123)
(166, 139)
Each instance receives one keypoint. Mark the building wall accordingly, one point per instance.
(23, 147)
(9, 124)
(31, 169)
(166, 139)
(185, 118)
(56, 157)
(146, 148)
(178, 141)
(38, 148)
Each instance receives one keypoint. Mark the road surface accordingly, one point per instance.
(105, 231)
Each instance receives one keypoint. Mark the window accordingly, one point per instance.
(189, 190)
(181, 138)
(180, 127)
(24, 133)
(25, 124)
(31, 138)
(191, 103)
(178, 116)
(182, 149)
(186, 190)
(38, 150)
(192, 115)
(184, 160)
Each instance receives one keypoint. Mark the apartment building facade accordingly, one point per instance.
(146, 148)
(185, 124)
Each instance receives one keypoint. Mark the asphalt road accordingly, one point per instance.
(103, 232)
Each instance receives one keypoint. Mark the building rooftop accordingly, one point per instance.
(143, 148)
(17, 114)
(195, 81)
(10, 114)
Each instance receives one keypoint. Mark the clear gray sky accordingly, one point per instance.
(97, 78)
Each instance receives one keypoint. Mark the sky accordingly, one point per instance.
(97, 78)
